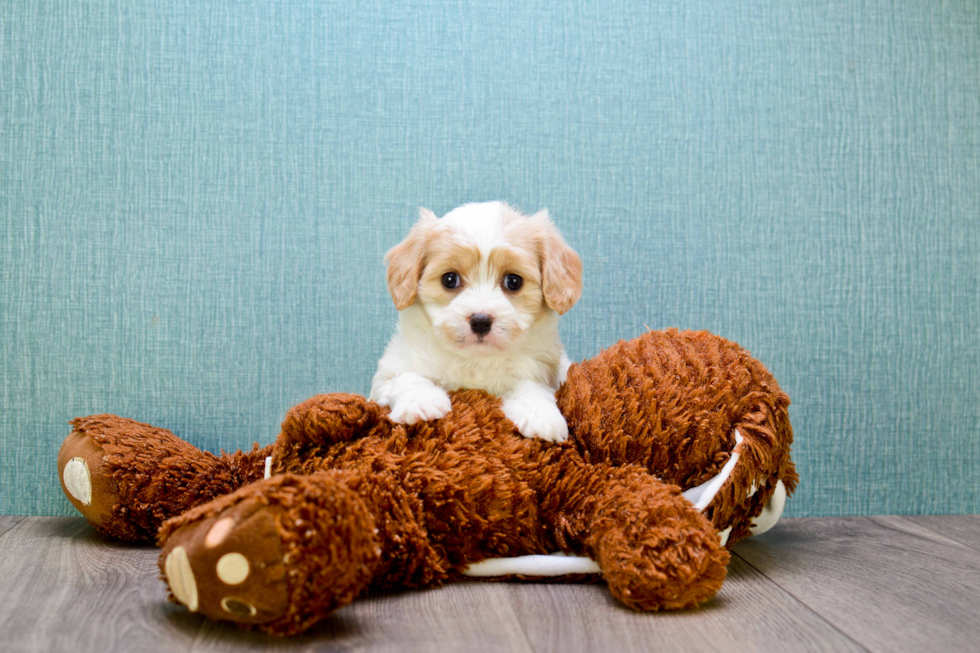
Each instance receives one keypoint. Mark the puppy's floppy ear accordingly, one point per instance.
(406, 260)
(561, 267)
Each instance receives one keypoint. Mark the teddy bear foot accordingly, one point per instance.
(127, 478)
(229, 566)
(86, 478)
(277, 555)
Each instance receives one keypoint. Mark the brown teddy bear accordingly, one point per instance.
(679, 444)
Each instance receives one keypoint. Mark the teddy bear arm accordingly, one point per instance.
(327, 419)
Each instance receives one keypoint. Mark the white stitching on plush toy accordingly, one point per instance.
(556, 564)
(702, 495)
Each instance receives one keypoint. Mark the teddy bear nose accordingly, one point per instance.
(481, 323)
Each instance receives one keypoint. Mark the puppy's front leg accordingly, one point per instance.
(411, 397)
(532, 408)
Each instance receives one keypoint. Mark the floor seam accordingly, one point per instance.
(16, 520)
(819, 616)
(932, 530)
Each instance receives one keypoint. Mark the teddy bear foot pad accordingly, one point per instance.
(85, 479)
(229, 566)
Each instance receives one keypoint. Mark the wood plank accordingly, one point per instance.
(476, 616)
(64, 588)
(458, 617)
(7, 522)
(965, 529)
(750, 613)
(886, 582)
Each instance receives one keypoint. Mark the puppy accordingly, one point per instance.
(479, 293)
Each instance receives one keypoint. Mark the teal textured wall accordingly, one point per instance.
(195, 198)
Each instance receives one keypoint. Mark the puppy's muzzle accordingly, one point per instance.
(481, 323)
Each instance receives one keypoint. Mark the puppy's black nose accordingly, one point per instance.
(480, 323)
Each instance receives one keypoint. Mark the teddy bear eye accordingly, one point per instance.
(513, 282)
(451, 280)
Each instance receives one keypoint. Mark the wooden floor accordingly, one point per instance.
(860, 584)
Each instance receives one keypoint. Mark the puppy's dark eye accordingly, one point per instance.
(513, 282)
(451, 280)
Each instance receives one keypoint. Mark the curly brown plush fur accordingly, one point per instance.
(359, 502)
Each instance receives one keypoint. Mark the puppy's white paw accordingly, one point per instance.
(420, 405)
(536, 419)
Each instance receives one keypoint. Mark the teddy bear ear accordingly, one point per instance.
(561, 267)
(406, 260)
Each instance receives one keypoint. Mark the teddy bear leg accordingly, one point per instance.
(283, 553)
(749, 493)
(654, 549)
(127, 478)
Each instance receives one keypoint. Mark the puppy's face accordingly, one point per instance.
(484, 274)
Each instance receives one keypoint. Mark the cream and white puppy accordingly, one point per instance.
(479, 293)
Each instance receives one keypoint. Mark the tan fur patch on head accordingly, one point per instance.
(560, 265)
(447, 253)
(407, 259)
(506, 259)
(510, 259)
(530, 247)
